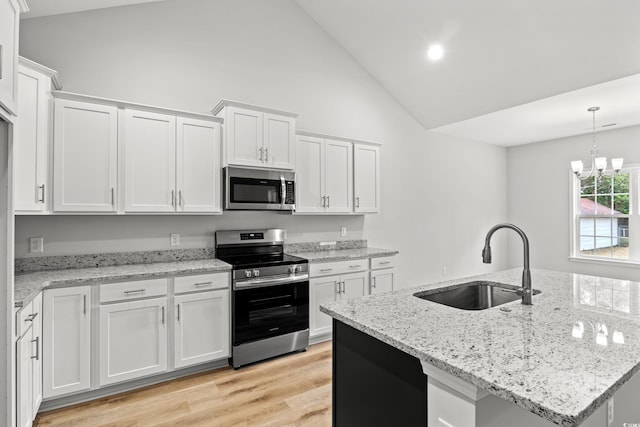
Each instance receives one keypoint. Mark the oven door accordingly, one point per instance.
(269, 311)
(250, 189)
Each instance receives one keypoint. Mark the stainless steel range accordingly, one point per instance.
(270, 295)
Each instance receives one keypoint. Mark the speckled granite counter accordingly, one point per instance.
(543, 358)
(344, 254)
(28, 285)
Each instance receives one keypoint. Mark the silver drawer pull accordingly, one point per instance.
(203, 284)
(135, 291)
(354, 266)
(37, 341)
(384, 262)
(324, 270)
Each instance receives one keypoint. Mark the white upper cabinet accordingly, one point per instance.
(85, 151)
(366, 178)
(198, 176)
(149, 141)
(32, 137)
(9, 31)
(324, 178)
(257, 136)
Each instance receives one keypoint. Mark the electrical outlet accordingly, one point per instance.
(36, 245)
(610, 411)
(175, 240)
(343, 231)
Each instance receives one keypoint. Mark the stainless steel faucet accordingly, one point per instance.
(526, 291)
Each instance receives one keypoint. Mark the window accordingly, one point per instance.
(605, 216)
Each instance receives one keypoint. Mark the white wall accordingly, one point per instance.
(539, 197)
(439, 194)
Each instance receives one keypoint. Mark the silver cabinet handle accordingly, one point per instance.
(84, 305)
(328, 204)
(31, 317)
(173, 198)
(373, 282)
(37, 341)
(203, 284)
(266, 154)
(338, 288)
(357, 202)
(324, 270)
(41, 187)
(113, 197)
(163, 314)
(324, 203)
(343, 287)
(261, 154)
(355, 266)
(135, 291)
(180, 197)
(385, 262)
(178, 307)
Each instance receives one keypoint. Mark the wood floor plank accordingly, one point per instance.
(293, 390)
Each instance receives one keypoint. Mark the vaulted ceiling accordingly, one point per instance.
(514, 71)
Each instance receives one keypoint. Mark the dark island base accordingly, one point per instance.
(375, 384)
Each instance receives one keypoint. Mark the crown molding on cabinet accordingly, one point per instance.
(127, 104)
(52, 74)
(228, 103)
(24, 7)
(338, 138)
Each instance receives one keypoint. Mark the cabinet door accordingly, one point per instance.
(366, 178)
(31, 140)
(383, 281)
(36, 357)
(85, 151)
(309, 174)
(9, 31)
(279, 141)
(338, 173)
(24, 381)
(355, 285)
(201, 327)
(149, 141)
(198, 174)
(244, 137)
(133, 340)
(66, 340)
(321, 290)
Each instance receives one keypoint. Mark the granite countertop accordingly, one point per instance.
(543, 358)
(344, 254)
(28, 285)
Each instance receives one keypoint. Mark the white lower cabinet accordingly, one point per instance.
(332, 288)
(29, 362)
(201, 327)
(66, 349)
(383, 274)
(133, 339)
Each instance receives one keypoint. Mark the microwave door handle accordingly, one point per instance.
(283, 191)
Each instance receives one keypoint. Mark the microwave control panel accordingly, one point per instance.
(290, 198)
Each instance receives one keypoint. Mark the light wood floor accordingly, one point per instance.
(294, 390)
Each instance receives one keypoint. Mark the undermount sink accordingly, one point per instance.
(477, 295)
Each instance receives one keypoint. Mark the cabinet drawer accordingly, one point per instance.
(383, 262)
(24, 319)
(338, 267)
(133, 290)
(201, 282)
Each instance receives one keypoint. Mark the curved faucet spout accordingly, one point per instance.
(525, 292)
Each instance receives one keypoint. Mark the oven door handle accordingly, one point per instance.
(255, 283)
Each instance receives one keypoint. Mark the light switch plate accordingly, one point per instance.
(175, 240)
(36, 245)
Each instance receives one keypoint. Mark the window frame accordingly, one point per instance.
(633, 215)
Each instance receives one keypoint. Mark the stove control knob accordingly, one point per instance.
(256, 273)
(293, 269)
(247, 274)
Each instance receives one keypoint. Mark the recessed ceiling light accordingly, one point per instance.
(435, 52)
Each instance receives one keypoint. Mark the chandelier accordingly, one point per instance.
(598, 164)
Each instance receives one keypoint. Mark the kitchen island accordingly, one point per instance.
(557, 362)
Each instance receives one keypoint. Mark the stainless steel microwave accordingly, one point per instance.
(259, 189)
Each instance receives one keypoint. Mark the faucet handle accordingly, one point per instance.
(513, 291)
